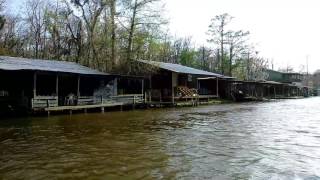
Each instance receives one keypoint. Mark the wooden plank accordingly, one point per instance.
(82, 107)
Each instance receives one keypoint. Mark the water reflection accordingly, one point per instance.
(277, 140)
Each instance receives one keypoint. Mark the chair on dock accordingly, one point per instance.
(70, 100)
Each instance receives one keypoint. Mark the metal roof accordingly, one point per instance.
(17, 63)
(181, 69)
(258, 82)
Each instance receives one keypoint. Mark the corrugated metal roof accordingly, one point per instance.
(181, 69)
(16, 63)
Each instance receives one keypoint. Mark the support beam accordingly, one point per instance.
(217, 88)
(78, 88)
(142, 86)
(34, 84)
(150, 89)
(172, 86)
(57, 86)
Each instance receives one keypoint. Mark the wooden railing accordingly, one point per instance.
(85, 100)
(44, 101)
(41, 102)
(4, 93)
(129, 98)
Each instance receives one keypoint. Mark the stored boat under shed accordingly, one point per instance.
(48, 85)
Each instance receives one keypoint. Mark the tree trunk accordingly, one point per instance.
(113, 33)
(230, 60)
(131, 32)
(222, 50)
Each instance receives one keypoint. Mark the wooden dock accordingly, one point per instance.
(50, 104)
(82, 107)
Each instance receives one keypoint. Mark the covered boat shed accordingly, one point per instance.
(55, 85)
(169, 83)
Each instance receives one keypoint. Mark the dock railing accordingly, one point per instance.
(129, 98)
(43, 102)
(40, 102)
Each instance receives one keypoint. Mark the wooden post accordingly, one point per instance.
(78, 88)
(134, 102)
(57, 89)
(172, 88)
(34, 84)
(217, 88)
(145, 97)
(57, 85)
(142, 86)
(134, 99)
(150, 89)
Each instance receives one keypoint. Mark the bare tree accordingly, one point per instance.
(142, 17)
(113, 12)
(237, 44)
(217, 31)
(90, 13)
(35, 10)
(2, 18)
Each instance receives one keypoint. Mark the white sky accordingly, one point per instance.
(284, 30)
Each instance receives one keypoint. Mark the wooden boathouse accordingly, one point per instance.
(174, 83)
(47, 85)
(258, 90)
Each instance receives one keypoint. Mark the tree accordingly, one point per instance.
(113, 12)
(217, 31)
(142, 19)
(90, 13)
(2, 18)
(237, 45)
(35, 10)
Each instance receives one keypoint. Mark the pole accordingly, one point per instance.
(248, 66)
(78, 87)
(217, 88)
(57, 86)
(34, 84)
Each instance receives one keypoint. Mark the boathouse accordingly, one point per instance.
(171, 83)
(258, 90)
(48, 85)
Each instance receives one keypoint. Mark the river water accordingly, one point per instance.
(273, 140)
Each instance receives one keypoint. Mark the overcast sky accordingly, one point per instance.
(286, 31)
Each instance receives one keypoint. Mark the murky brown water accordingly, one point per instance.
(277, 140)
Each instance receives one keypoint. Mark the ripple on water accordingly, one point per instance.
(275, 140)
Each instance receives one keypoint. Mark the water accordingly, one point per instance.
(274, 140)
